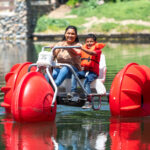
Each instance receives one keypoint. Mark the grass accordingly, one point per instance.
(105, 27)
(127, 10)
(136, 10)
(108, 27)
(137, 28)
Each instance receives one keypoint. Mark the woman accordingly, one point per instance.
(68, 56)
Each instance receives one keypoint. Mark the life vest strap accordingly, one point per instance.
(89, 59)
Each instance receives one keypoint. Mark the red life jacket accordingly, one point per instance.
(91, 62)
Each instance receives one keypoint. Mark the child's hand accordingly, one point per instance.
(82, 47)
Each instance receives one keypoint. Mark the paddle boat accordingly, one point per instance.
(29, 97)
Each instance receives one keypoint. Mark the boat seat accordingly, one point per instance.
(97, 85)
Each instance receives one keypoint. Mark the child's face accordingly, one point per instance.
(90, 42)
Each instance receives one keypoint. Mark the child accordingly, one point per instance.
(90, 58)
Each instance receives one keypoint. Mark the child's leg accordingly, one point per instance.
(89, 78)
(80, 74)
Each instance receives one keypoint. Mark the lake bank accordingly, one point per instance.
(135, 38)
(102, 19)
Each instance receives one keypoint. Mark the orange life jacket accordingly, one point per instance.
(91, 62)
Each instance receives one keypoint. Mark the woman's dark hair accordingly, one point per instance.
(91, 36)
(75, 29)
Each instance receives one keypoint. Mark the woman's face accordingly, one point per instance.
(70, 36)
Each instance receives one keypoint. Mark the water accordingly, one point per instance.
(75, 128)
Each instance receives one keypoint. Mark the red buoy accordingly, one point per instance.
(129, 93)
(32, 99)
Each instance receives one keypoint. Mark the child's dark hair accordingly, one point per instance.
(75, 29)
(91, 36)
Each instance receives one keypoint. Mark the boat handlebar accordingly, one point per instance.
(59, 47)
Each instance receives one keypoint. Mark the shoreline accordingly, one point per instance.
(113, 38)
(135, 37)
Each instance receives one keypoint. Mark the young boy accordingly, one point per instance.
(90, 58)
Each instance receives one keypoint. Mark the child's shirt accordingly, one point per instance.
(91, 62)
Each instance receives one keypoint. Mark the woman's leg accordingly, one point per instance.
(89, 78)
(63, 73)
(55, 73)
(47, 78)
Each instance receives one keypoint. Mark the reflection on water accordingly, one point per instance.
(65, 134)
(84, 134)
(76, 129)
(29, 136)
(130, 133)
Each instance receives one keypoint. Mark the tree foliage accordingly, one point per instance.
(73, 3)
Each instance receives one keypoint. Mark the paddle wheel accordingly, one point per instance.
(12, 80)
(28, 96)
(129, 93)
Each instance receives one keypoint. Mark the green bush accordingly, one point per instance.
(45, 23)
(72, 3)
(86, 3)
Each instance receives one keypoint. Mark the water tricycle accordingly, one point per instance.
(29, 97)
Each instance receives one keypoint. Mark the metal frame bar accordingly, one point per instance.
(57, 65)
(91, 96)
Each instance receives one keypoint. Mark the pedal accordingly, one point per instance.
(75, 99)
(95, 99)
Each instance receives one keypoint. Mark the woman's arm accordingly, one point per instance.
(75, 51)
(56, 51)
